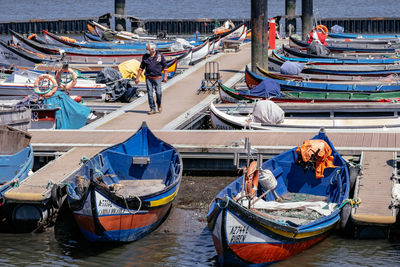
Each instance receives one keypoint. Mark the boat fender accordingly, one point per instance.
(267, 180)
(345, 215)
(56, 196)
(52, 88)
(252, 179)
(76, 98)
(70, 82)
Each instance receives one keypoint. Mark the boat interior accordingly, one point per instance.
(300, 197)
(140, 166)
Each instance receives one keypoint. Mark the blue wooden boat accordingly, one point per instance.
(301, 56)
(91, 37)
(125, 191)
(364, 48)
(363, 36)
(107, 45)
(252, 80)
(16, 158)
(250, 231)
(115, 55)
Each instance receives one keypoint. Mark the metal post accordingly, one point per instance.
(259, 34)
(290, 9)
(306, 17)
(120, 24)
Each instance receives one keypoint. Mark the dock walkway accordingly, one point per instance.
(374, 188)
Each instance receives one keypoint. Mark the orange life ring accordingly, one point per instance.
(321, 28)
(252, 179)
(32, 36)
(66, 86)
(52, 86)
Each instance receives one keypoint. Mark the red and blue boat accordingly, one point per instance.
(125, 191)
(273, 223)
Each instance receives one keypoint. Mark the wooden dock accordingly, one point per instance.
(179, 99)
(37, 187)
(180, 96)
(374, 189)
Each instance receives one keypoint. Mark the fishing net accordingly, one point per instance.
(296, 208)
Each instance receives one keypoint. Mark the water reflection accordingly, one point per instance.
(183, 240)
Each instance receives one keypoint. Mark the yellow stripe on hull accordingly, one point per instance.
(164, 200)
(300, 235)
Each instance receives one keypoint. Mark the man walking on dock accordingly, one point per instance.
(154, 64)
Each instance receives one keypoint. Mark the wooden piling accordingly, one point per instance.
(259, 36)
(120, 23)
(290, 10)
(306, 17)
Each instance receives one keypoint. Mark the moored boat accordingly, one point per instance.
(306, 116)
(106, 45)
(230, 95)
(355, 47)
(252, 80)
(125, 191)
(16, 160)
(394, 37)
(250, 231)
(328, 77)
(303, 57)
(21, 84)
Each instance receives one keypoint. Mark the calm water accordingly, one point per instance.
(24, 10)
(183, 239)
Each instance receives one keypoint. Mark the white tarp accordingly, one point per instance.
(266, 111)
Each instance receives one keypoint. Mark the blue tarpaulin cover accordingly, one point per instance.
(291, 68)
(71, 114)
(267, 88)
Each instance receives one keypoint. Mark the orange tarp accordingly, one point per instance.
(323, 158)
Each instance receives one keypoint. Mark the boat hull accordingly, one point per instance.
(242, 243)
(112, 222)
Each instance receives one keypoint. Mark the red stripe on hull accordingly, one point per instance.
(218, 246)
(85, 222)
(250, 81)
(122, 222)
(129, 221)
(264, 253)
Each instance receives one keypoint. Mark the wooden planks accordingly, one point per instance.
(212, 138)
(35, 188)
(374, 189)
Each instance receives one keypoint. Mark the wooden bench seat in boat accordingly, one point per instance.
(131, 188)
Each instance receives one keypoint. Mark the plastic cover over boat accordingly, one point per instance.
(267, 88)
(71, 114)
(291, 68)
(130, 68)
(266, 111)
(118, 88)
(316, 48)
(337, 29)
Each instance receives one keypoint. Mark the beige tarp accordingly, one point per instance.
(130, 68)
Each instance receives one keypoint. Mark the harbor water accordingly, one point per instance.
(183, 239)
(24, 10)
